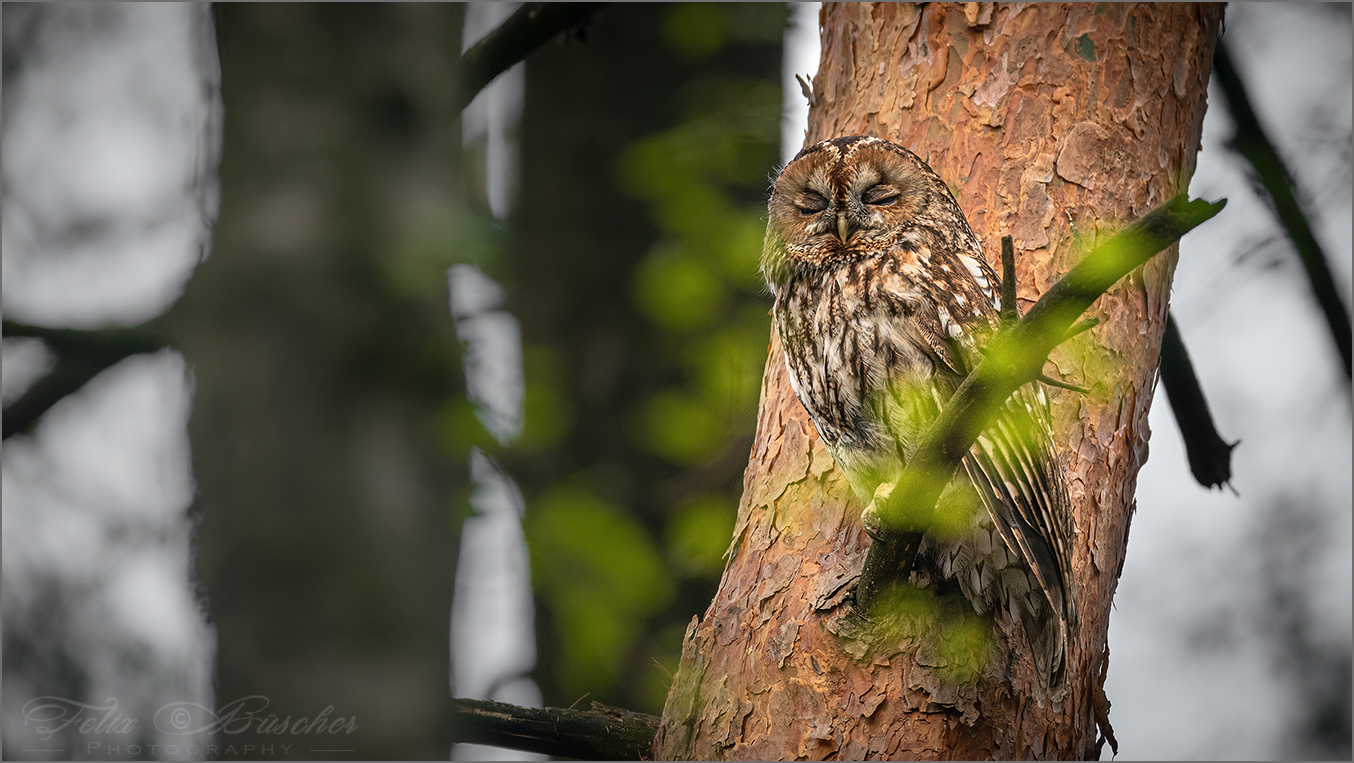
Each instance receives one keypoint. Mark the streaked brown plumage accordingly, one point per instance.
(882, 298)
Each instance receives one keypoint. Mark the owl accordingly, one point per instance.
(882, 302)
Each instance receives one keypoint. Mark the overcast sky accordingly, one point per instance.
(1212, 581)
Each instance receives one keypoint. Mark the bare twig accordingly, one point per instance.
(1274, 179)
(1009, 313)
(602, 733)
(1080, 327)
(1015, 357)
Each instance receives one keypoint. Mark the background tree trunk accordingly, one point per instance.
(322, 513)
(1054, 124)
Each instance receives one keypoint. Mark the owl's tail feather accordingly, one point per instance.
(992, 577)
(1048, 644)
(1016, 472)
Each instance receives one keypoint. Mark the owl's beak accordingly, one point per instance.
(843, 230)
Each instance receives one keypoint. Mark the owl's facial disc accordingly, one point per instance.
(840, 200)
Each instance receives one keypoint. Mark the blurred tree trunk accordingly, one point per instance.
(1054, 124)
(324, 546)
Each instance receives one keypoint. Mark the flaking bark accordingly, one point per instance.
(1055, 124)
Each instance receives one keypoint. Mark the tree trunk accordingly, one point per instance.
(324, 358)
(1054, 124)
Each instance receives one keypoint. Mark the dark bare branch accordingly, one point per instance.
(602, 733)
(80, 356)
(1273, 178)
(1210, 457)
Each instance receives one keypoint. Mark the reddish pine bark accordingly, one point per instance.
(1054, 124)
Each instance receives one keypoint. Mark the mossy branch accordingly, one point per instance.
(1015, 356)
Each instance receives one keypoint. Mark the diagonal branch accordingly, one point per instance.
(1015, 357)
(603, 733)
(1274, 179)
(526, 29)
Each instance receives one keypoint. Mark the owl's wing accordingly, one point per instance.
(952, 308)
(1014, 468)
(936, 313)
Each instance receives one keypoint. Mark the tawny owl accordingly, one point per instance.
(882, 298)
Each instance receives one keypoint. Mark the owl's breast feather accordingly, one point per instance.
(848, 342)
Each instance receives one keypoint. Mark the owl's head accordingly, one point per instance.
(845, 199)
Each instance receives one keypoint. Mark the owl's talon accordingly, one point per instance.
(873, 527)
(874, 524)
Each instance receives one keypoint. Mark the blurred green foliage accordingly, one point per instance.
(958, 505)
(952, 638)
(703, 179)
(679, 427)
(547, 415)
(678, 291)
(698, 534)
(964, 642)
(630, 258)
(697, 31)
(632, 255)
(442, 237)
(461, 428)
(602, 574)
